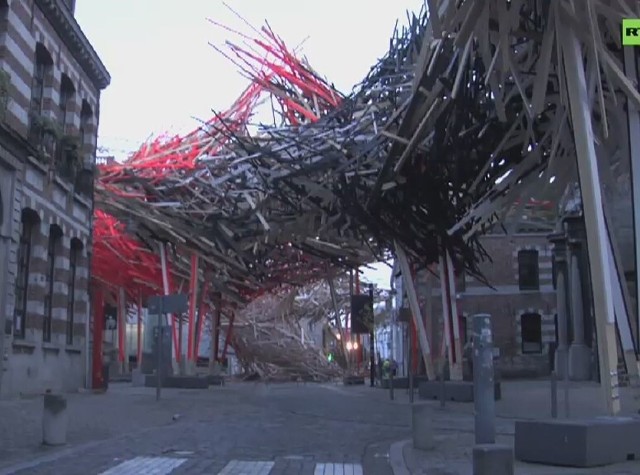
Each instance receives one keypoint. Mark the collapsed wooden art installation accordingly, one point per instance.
(470, 113)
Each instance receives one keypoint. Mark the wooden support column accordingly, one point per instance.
(227, 340)
(593, 216)
(97, 376)
(450, 317)
(139, 330)
(632, 71)
(193, 291)
(415, 310)
(216, 326)
(202, 305)
(122, 329)
(336, 311)
(622, 307)
(167, 291)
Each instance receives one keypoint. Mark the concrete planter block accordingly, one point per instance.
(353, 380)
(137, 378)
(398, 383)
(493, 459)
(457, 391)
(179, 382)
(578, 442)
(422, 426)
(54, 420)
(215, 380)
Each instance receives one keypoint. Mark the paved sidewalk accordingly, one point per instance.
(454, 428)
(276, 429)
(93, 417)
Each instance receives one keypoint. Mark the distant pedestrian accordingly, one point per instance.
(386, 368)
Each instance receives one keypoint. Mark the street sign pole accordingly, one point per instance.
(159, 305)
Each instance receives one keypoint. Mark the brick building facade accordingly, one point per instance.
(50, 90)
(522, 302)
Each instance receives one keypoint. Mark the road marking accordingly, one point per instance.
(238, 467)
(166, 465)
(338, 469)
(140, 465)
(340, 389)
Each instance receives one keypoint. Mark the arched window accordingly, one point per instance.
(42, 69)
(30, 221)
(55, 236)
(528, 270)
(74, 257)
(86, 117)
(531, 332)
(67, 91)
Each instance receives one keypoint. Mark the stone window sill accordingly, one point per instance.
(23, 344)
(50, 347)
(73, 349)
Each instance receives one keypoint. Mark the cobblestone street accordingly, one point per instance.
(278, 429)
(237, 429)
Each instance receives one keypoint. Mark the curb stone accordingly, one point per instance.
(396, 458)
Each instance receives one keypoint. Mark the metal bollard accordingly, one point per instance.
(483, 380)
(422, 426)
(54, 420)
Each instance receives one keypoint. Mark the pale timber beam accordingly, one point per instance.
(450, 317)
(631, 65)
(164, 267)
(415, 310)
(594, 217)
(193, 291)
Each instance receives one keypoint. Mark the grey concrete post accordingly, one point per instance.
(54, 420)
(493, 459)
(579, 353)
(483, 380)
(422, 426)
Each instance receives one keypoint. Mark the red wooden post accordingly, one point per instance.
(415, 355)
(193, 291)
(227, 340)
(201, 316)
(139, 358)
(122, 325)
(216, 326)
(97, 376)
(167, 282)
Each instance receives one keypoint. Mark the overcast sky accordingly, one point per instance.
(164, 72)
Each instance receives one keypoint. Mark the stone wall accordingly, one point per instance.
(32, 362)
(505, 302)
